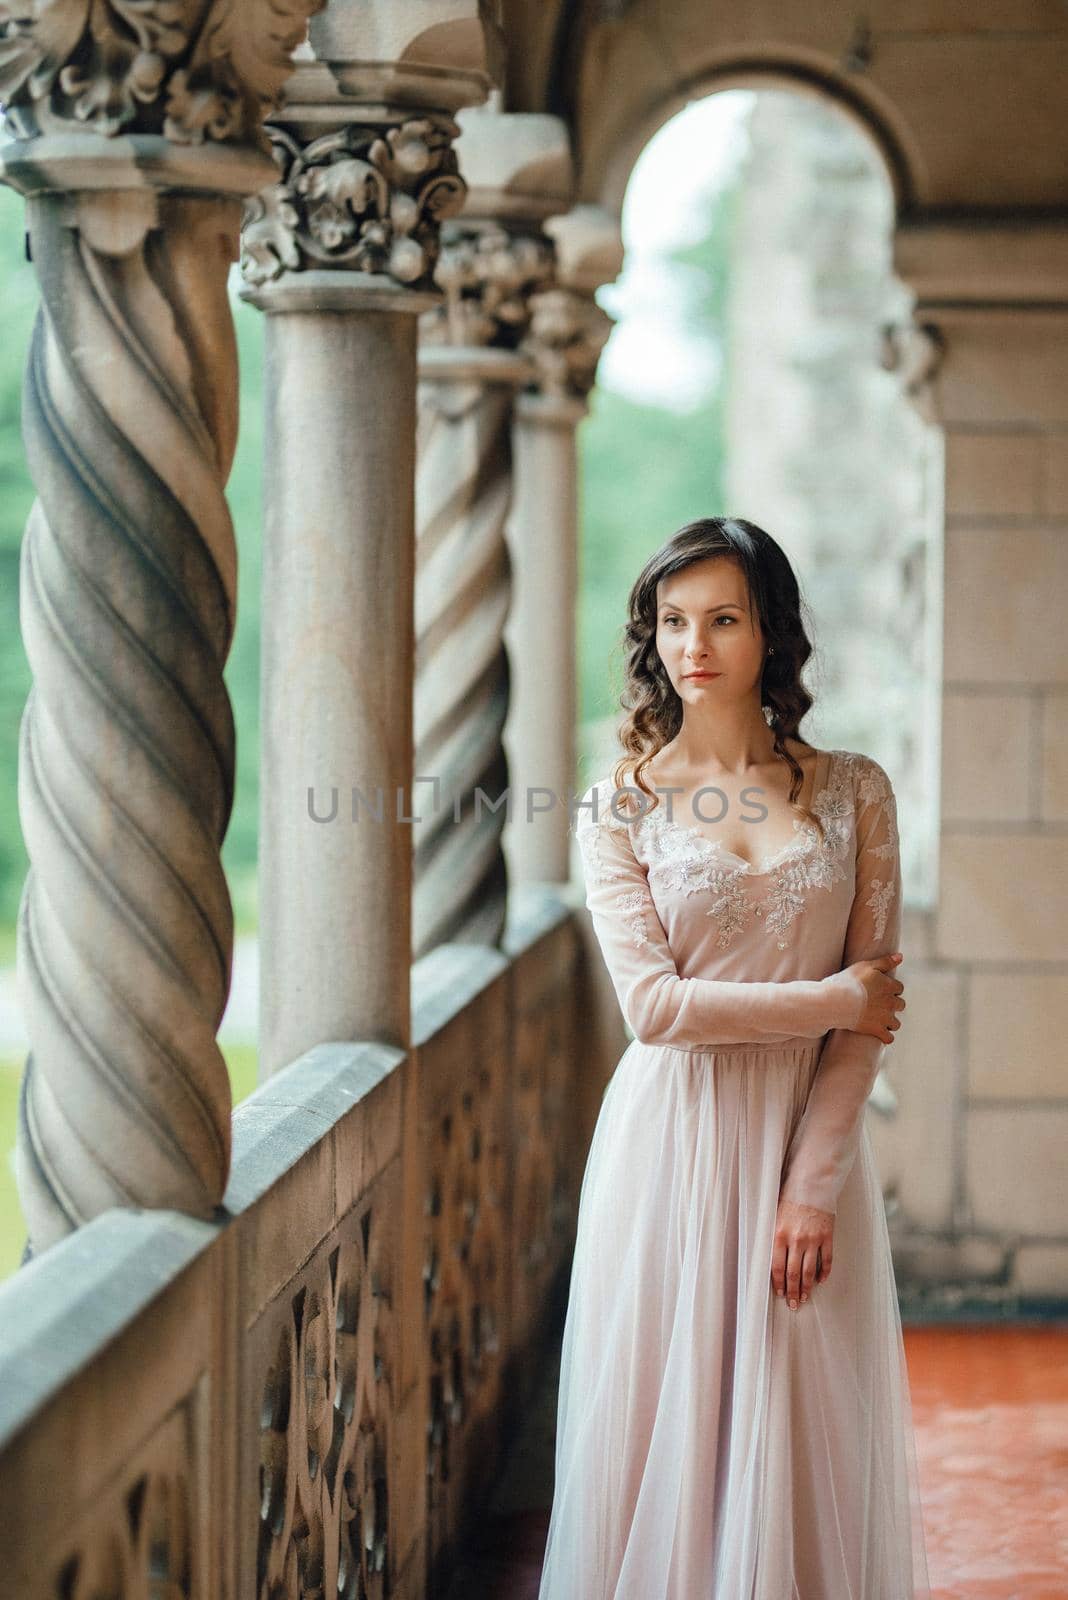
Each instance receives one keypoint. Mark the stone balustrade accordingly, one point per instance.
(308, 1392)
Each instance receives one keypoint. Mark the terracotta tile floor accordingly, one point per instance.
(990, 1405)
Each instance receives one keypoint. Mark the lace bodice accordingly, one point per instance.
(705, 949)
(682, 860)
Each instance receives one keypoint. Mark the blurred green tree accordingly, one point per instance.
(647, 469)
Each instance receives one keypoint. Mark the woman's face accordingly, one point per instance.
(704, 626)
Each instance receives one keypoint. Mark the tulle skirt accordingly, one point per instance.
(711, 1443)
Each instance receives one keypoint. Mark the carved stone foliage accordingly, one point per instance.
(366, 198)
(915, 351)
(139, 1538)
(543, 1207)
(488, 274)
(326, 1424)
(464, 1276)
(567, 333)
(191, 70)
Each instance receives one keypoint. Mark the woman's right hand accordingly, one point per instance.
(879, 1015)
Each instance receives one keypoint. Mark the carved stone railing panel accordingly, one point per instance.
(325, 1355)
(228, 1403)
(107, 1412)
(140, 1527)
(151, 1324)
(546, 1158)
(466, 1252)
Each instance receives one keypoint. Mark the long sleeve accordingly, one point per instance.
(662, 1007)
(825, 1142)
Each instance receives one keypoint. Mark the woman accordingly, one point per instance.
(734, 1418)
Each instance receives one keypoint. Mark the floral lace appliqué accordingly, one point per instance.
(820, 862)
(879, 902)
(590, 833)
(873, 789)
(591, 846)
(685, 861)
(732, 907)
(680, 860)
(632, 904)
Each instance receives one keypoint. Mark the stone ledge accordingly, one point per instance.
(60, 1310)
(64, 1306)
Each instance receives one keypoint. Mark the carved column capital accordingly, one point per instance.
(568, 331)
(190, 74)
(496, 256)
(487, 273)
(916, 351)
(367, 197)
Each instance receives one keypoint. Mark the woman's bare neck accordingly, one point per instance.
(672, 766)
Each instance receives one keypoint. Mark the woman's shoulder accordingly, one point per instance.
(870, 781)
(605, 803)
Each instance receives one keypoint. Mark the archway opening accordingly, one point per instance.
(744, 377)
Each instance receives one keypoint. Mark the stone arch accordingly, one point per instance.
(605, 181)
(965, 111)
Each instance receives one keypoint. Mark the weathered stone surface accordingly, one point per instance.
(138, 136)
(191, 73)
(477, 352)
(281, 1387)
(368, 197)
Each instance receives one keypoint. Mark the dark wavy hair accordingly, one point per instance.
(654, 709)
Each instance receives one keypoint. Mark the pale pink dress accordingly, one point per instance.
(713, 1444)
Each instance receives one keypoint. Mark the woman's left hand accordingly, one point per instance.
(804, 1241)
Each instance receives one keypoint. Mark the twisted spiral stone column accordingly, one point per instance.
(462, 595)
(138, 131)
(128, 589)
(470, 372)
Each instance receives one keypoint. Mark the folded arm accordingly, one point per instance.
(827, 1137)
(662, 1007)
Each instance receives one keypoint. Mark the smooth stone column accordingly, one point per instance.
(340, 254)
(567, 333)
(544, 533)
(336, 708)
(541, 633)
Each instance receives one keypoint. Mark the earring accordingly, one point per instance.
(771, 651)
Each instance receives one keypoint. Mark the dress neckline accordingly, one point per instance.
(803, 829)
